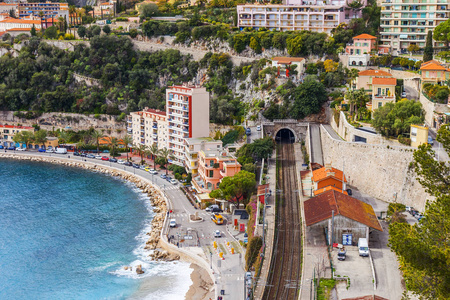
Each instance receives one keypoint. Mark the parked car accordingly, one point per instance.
(90, 156)
(21, 149)
(142, 167)
(1, 147)
(217, 218)
(136, 166)
(105, 158)
(248, 131)
(113, 159)
(152, 171)
(173, 181)
(258, 128)
(211, 207)
(163, 176)
(98, 156)
(430, 140)
(50, 150)
(403, 94)
(40, 150)
(168, 178)
(83, 154)
(12, 148)
(147, 169)
(127, 163)
(173, 223)
(349, 192)
(342, 254)
(217, 234)
(61, 150)
(76, 153)
(121, 161)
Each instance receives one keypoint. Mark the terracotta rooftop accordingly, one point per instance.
(384, 81)
(365, 36)
(374, 73)
(155, 111)
(107, 139)
(320, 208)
(21, 29)
(287, 59)
(16, 127)
(433, 66)
(326, 172)
(21, 21)
(327, 188)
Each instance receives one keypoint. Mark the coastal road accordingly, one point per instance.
(198, 237)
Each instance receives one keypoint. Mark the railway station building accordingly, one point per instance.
(344, 218)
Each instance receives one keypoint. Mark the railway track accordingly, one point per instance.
(285, 270)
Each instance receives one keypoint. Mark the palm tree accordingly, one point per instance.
(61, 24)
(64, 137)
(97, 135)
(127, 140)
(166, 154)
(41, 16)
(154, 151)
(141, 151)
(72, 11)
(113, 144)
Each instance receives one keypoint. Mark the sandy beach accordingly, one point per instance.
(201, 285)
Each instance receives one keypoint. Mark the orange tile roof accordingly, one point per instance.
(7, 4)
(384, 81)
(21, 29)
(374, 73)
(319, 208)
(324, 172)
(365, 36)
(434, 67)
(107, 139)
(327, 188)
(287, 59)
(20, 21)
(17, 127)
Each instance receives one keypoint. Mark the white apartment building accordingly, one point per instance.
(148, 127)
(187, 108)
(313, 15)
(193, 146)
(406, 22)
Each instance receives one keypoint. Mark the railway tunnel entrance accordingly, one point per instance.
(285, 136)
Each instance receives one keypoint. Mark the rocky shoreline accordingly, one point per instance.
(157, 199)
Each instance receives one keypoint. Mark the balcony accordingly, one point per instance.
(223, 173)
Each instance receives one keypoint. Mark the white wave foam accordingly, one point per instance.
(102, 267)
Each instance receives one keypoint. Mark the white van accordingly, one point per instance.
(60, 150)
(363, 247)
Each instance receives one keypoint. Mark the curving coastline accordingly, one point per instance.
(162, 250)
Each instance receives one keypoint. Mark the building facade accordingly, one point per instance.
(148, 127)
(313, 15)
(26, 25)
(213, 165)
(284, 65)
(191, 149)
(9, 131)
(383, 91)
(419, 135)
(365, 79)
(49, 9)
(406, 22)
(359, 51)
(187, 110)
(433, 72)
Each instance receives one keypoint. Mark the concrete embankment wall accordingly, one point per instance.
(381, 171)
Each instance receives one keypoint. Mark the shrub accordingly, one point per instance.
(254, 245)
(395, 207)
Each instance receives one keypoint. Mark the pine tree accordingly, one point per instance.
(428, 51)
(33, 31)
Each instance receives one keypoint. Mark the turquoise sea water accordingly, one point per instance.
(67, 233)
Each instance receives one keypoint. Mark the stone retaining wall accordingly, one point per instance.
(382, 171)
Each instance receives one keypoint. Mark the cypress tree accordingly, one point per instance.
(428, 51)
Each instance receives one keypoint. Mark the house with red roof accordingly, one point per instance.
(383, 91)
(347, 219)
(359, 51)
(7, 133)
(433, 72)
(328, 176)
(285, 64)
(365, 78)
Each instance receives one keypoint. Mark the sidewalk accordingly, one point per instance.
(270, 229)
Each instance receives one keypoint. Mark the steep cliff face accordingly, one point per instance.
(81, 3)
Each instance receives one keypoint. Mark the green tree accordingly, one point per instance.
(254, 44)
(423, 248)
(308, 98)
(107, 29)
(96, 136)
(133, 33)
(442, 32)
(395, 119)
(428, 51)
(127, 140)
(262, 148)
(113, 145)
(40, 137)
(154, 152)
(165, 154)
(64, 137)
(252, 253)
(33, 31)
(294, 45)
(81, 32)
(236, 189)
(51, 32)
(413, 48)
(357, 99)
(24, 137)
(148, 10)
(140, 149)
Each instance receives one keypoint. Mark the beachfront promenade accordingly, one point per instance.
(226, 274)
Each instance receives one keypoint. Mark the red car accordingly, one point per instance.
(105, 158)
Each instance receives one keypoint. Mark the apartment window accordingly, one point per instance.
(380, 104)
(379, 91)
(211, 173)
(427, 73)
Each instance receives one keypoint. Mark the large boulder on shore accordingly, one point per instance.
(139, 269)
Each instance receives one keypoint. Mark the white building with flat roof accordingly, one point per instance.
(187, 108)
(148, 127)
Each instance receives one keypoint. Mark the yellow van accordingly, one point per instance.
(217, 218)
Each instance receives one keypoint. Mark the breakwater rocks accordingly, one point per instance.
(157, 199)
